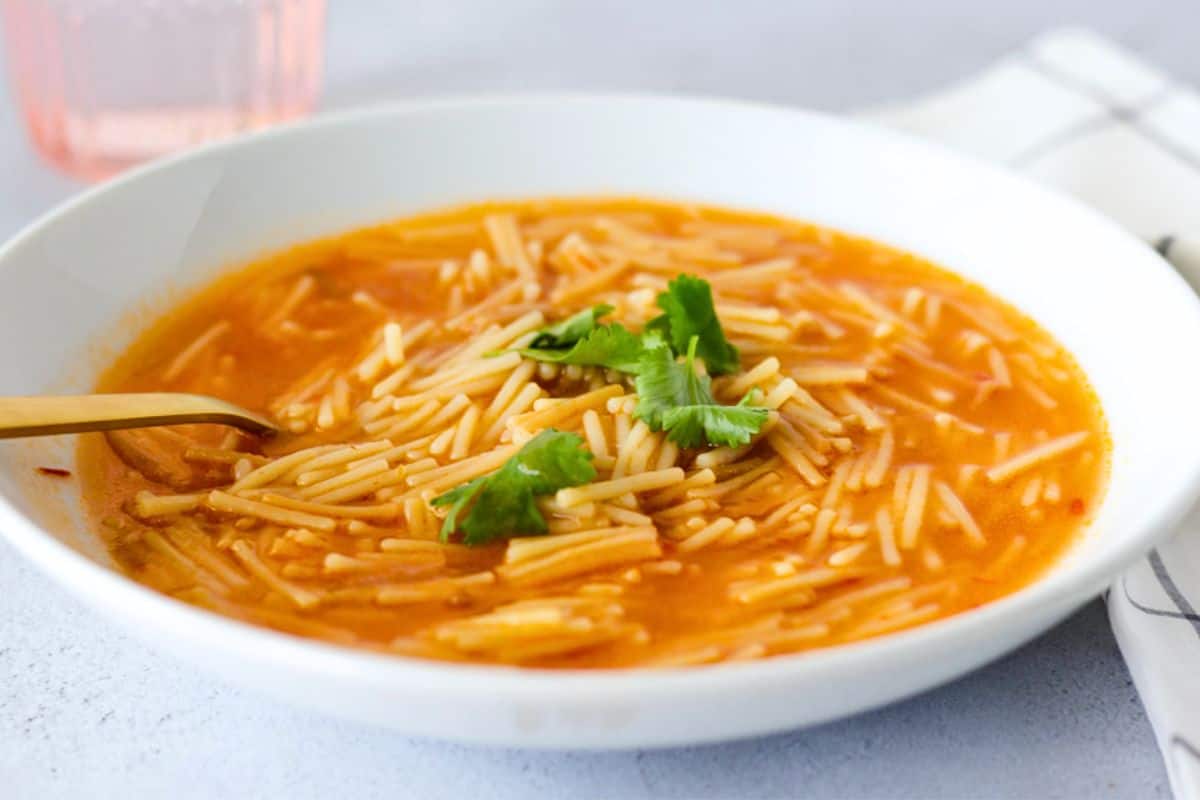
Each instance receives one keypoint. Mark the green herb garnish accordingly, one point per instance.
(564, 334)
(501, 504)
(673, 397)
(610, 346)
(689, 312)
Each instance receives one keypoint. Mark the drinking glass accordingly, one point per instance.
(105, 84)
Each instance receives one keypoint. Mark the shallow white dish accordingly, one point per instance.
(78, 283)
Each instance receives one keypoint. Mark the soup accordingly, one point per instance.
(599, 433)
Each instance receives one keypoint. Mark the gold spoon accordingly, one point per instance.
(42, 416)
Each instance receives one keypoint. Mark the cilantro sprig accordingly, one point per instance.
(689, 313)
(675, 398)
(501, 504)
(564, 334)
(610, 346)
(672, 397)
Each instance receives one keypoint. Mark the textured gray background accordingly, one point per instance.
(87, 712)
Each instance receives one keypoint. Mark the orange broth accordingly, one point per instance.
(956, 380)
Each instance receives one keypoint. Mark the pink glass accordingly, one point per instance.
(105, 84)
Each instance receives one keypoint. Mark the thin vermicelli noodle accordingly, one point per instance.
(910, 447)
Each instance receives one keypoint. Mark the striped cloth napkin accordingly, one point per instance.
(1077, 112)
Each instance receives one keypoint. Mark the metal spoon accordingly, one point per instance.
(42, 416)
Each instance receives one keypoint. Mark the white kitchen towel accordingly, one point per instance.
(1077, 112)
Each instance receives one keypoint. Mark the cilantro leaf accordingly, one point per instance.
(571, 329)
(673, 397)
(688, 311)
(458, 499)
(609, 346)
(501, 504)
(663, 384)
(720, 426)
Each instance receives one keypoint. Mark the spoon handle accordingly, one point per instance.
(41, 416)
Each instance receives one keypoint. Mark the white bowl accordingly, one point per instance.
(79, 283)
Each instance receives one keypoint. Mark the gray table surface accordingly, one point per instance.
(86, 711)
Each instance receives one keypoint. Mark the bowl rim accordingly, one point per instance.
(86, 578)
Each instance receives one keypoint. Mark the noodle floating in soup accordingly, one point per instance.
(600, 433)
